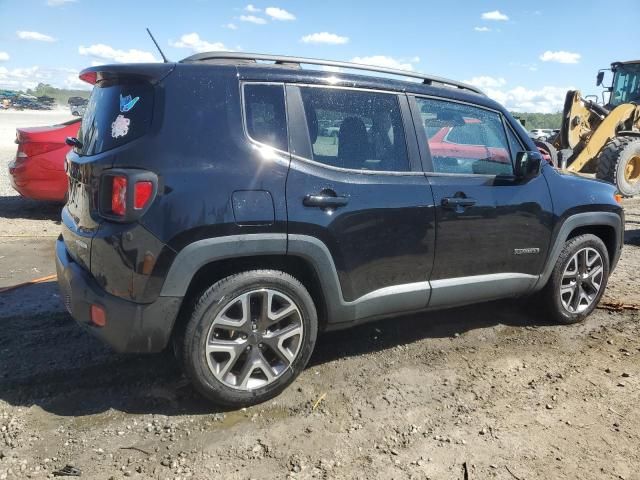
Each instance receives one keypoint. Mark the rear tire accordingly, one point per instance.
(249, 336)
(578, 280)
(619, 163)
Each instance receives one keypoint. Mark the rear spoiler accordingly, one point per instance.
(151, 72)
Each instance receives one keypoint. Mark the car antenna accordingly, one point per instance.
(157, 46)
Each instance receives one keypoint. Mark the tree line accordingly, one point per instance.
(539, 120)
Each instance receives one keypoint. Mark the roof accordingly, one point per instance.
(627, 62)
(284, 61)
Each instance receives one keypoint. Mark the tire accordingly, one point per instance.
(563, 277)
(241, 350)
(619, 163)
(550, 149)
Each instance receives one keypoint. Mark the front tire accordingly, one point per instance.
(578, 280)
(249, 336)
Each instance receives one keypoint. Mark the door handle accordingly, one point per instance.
(324, 201)
(456, 202)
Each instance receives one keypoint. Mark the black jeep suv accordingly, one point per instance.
(234, 205)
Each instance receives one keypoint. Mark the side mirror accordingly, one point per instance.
(599, 78)
(73, 142)
(528, 165)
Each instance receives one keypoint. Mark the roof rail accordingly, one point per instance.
(288, 60)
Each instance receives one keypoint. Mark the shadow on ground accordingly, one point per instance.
(20, 207)
(49, 361)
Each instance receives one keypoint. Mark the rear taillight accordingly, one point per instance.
(119, 196)
(126, 193)
(89, 77)
(141, 194)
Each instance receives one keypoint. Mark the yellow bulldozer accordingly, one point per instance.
(603, 138)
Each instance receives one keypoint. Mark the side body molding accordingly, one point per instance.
(571, 223)
(397, 299)
(379, 303)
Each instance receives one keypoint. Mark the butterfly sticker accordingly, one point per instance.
(127, 103)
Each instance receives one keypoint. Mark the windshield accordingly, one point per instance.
(626, 85)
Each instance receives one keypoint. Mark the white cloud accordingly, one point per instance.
(494, 15)
(230, 26)
(23, 78)
(487, 82)
(384, 61)
(279, 14)
(532, 67)
(197, 44)
(548, 99)
(40, 37)
(57, 3)
(252, 19)
(250, 8)
(325, 37)
(4, 57)
(482, 29)
(561, 56)
(106, 52)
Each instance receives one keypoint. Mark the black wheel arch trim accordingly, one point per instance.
(396, 299)
(388, 300)
(578, 220)
(202, 252)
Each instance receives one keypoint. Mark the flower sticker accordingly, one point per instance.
(120, 126)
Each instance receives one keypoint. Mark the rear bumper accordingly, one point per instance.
(131, 327)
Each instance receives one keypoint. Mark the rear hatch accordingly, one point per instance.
(119, 112)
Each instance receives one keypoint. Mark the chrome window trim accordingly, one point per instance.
(352, 170)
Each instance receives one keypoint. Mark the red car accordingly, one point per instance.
(38, 169)
(457, 148)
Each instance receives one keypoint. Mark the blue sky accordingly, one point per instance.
(523, 54)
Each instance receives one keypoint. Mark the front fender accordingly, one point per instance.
(585, 219)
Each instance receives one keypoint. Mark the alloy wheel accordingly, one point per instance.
(254, 339)
(582, 280)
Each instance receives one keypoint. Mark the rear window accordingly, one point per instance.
(115, 115)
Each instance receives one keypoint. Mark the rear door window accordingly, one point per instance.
(116, 114)
(355, 129)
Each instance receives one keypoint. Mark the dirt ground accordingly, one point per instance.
(490, 391)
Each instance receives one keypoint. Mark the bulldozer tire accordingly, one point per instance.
(550, 149)
(619, 163)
